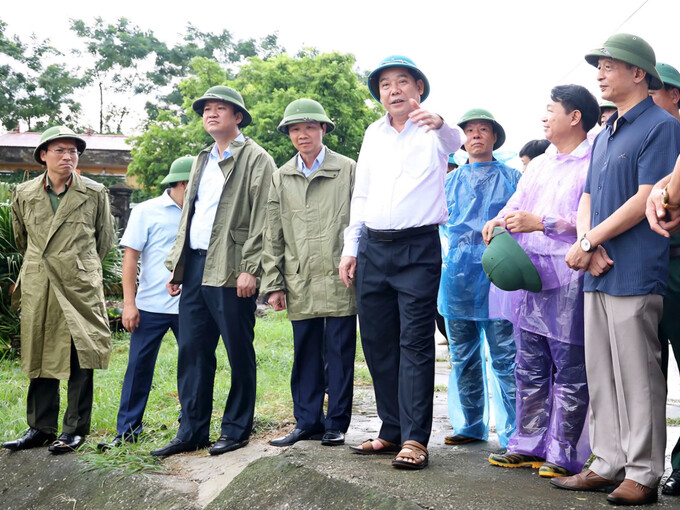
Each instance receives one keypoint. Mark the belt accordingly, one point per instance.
(394, 235)
(675, 251)
(200, 253)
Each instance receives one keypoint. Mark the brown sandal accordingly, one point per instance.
(412, 450)
(366, 448)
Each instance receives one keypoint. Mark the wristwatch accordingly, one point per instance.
(585, 244)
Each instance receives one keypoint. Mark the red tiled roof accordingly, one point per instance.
(96, 142)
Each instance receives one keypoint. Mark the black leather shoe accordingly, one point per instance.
(176, 446)
(31, 439)
(226, 444)
(672, 485)
(295, 436)
(66, 443)
(117, 442)
(333, 438)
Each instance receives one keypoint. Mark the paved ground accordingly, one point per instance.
(306, 476)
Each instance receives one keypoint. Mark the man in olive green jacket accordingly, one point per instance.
(217, 260)
(307, 213)
(63, 227)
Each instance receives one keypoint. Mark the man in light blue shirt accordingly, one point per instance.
(148, 310)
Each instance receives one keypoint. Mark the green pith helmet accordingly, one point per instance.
(57, 133)
(481, 114)
(179, 170)
(631, 49)
(669, 75)
(607, 104)
(227, 94)
(396, 61)
(305, 110)
(507, 265)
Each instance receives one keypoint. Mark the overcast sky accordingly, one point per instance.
(500, 55)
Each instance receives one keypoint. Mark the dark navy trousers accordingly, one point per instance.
(145, 342)
(397, 284)
(205, 314)
(307, 382)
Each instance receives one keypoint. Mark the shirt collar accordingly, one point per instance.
(318, 161)
(582, 150)
(215, 152)
(387, 123)
(631, 114)
(167, 200)
(48, 185)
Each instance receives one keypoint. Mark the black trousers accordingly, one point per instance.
(397, 284)
(42, 401)
(307, 382)
(205, 314)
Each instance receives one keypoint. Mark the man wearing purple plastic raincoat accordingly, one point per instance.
(475, 193)
(552, 393)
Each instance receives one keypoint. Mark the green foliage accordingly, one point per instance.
(112, 273)
(32, 90)
(273, 407)
(153, 151)
(120, 49)
(267, 86)
(10, 263)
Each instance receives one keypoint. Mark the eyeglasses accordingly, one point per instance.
(60, 152)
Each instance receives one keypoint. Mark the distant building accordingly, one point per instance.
(106, 155)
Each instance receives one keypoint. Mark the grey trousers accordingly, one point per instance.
(626, 385)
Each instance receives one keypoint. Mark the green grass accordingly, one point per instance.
(273, 408)
(673, 422)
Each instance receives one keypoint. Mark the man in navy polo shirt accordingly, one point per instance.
(627, 268)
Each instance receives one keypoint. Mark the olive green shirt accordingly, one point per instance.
(55, 198)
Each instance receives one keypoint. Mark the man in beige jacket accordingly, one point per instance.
(63, 227)
(307, 212)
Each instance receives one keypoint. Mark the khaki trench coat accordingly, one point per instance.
(306, 218)
(236, 239)
(60, 282)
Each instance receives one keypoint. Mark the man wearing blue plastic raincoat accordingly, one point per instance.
(552, 392)
(475, 193)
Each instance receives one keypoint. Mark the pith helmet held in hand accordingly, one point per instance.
(57, 133)
(669, 75)
(507, 265)
(179, 170)
(481, 114)
(305, 110)
(632, 50)
(228, 95)
(396, 61)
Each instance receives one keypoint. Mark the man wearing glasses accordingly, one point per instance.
(63, 228)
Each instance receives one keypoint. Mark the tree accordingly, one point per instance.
(267, 86)
(32, 89)
(118, 49)
(131, 61)
(171, 136)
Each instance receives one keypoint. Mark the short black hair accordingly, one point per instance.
(670, 87)
(576, 97)
(534, 148)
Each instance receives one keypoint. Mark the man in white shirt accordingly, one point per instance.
(148, 310)
(392, 246)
